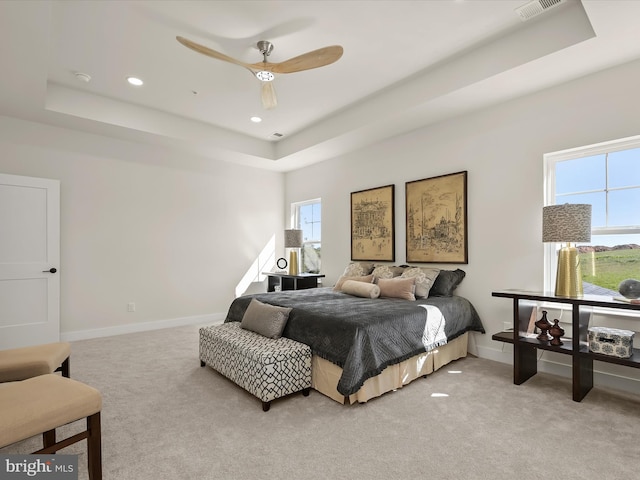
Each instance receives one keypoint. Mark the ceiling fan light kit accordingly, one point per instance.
(265, 76)
(265, 71)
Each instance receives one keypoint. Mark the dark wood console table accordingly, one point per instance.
(525, 346)
(292, 282)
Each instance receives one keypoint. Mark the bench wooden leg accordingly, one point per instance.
(202, 364)
(266, 406)
(94, 447)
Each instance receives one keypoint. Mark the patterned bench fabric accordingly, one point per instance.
(265, 367)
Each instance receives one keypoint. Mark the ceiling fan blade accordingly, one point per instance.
(211, 53)
(307, 61)
(269, 100)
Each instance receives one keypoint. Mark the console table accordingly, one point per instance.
(291, 282)
(525, 346)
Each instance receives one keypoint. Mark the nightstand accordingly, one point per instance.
(292, 282)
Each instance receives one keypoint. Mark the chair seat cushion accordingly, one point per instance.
(39, 404)
(26, 362)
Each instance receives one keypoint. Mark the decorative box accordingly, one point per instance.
(611, 341)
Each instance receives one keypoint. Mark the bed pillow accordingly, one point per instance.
(446, 282)
(358, 269)
(424, 278)
(267, 320)
(387, 271)
(397, 288)
(361, 289)
(339, 284)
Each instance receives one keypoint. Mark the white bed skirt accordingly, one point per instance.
(325, 375)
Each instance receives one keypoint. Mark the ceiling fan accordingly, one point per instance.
(265, 71)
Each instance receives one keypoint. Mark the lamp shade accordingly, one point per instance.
(570, 222)
(293, 238)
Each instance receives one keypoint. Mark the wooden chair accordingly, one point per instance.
(26, 362)
(43, 403)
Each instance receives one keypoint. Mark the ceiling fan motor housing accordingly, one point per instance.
(265, 47)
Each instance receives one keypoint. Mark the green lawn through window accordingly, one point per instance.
(608, 269)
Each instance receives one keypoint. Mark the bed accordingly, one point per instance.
(364, 347)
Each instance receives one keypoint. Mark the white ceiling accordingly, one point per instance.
(406, 64)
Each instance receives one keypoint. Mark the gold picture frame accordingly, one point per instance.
(373, 224)
(436, 219)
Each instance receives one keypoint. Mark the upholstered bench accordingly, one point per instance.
(41, 404)
(26, 362)
(265, 367)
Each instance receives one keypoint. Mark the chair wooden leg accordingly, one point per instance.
(49, 438)
(64, 368)
(94, 447)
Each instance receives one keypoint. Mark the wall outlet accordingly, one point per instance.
(131, 307)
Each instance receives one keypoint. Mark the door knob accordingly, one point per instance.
(51, 270)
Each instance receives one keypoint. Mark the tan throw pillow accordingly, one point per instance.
(361, 289)
(424, 278)
(397, 288)
(358, 269)
(387, 271)
(267, 320)
(341, 280)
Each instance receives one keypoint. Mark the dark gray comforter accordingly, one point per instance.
(361, 335)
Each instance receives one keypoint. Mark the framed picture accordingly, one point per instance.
(437, 219)
(372, 224)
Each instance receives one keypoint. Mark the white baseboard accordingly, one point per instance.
(141, 327)
(601, 379)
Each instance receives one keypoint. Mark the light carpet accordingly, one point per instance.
(165, 417)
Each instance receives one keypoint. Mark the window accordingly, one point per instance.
(607, 176)
(307, 216)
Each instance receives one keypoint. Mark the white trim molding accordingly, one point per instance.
(142, 327)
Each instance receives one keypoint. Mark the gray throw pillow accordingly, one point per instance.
(446, 282)
(267, 320)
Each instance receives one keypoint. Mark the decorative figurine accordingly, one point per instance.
(544, 325)
(556, 332)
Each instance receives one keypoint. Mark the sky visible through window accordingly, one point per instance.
(310, 216)
(611, 184)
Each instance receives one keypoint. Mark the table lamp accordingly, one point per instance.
(570, 223)
(293, 240)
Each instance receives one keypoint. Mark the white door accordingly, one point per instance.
(29, 261)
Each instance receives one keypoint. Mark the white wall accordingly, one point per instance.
(175, 233)
(502, 149)
(171, 232)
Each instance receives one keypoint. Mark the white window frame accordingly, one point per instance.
(549, 161)
(295, 218)
(295, 214)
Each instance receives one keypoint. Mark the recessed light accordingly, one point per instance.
(256, 119)
(135, 81)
